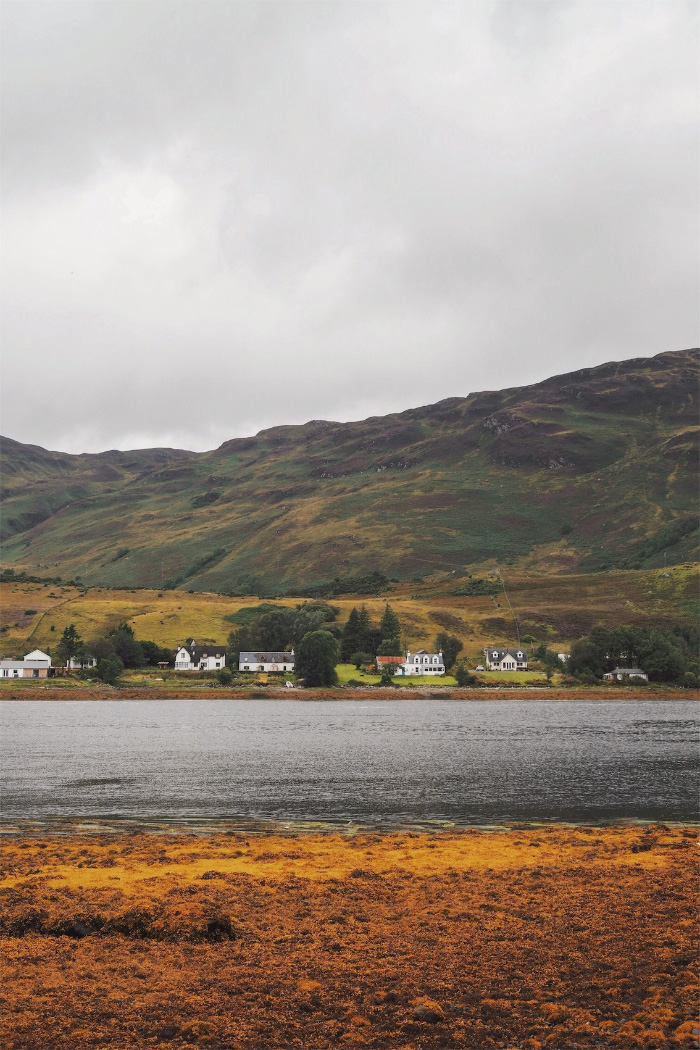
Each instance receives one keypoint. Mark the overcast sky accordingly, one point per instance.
(222, 216)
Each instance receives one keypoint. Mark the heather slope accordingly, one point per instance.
(584, 472)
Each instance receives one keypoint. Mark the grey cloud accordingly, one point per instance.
(218, 217)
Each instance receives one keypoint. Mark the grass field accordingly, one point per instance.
(553, 609)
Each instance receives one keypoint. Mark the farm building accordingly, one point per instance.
(384, 661)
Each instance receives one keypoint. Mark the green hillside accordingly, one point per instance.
(584, 472)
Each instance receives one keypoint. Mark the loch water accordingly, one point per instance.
(382, 764)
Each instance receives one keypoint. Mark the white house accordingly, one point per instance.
(505, 659)
(35, 665)
(78, 663)
(36, 656)
(195, 657)
(422, 663)
(269, 662)
(619, 673)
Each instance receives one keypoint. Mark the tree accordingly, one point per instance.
(101, 648)
(390, 647)
(387, 674)
(274, 631)
(154, 654)
(364, 627)
(70, 645)
(463, 675)
(316, 657)
(450, 647)
(224, 676)
(109, 669)
(125, 645)
(360, 659)
(351, 641)
(586, 658)
(240, 640)
(390, 629)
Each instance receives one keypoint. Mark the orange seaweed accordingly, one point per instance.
(537, 937)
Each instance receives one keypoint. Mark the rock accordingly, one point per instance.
(220, 929)
(428, 1010)
(170, 1031)
(78, 930)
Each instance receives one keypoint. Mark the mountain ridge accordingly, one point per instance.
(526, 475)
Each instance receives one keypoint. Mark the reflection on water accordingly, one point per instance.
(379, 763)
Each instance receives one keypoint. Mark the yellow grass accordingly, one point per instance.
(169, 617)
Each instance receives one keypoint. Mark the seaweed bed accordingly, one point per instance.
(548, 936)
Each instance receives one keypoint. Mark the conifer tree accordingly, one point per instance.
(351, 641)
(364, 627)
(390, 631)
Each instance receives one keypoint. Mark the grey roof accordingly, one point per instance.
(627, 670)
(17, 664)
(266, 658)
(500, 653)
(197, 652)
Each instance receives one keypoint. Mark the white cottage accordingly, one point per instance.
(268, 662)
(35, 665)
(78, 663)
(195, 657)
(505, 659)
(422, 663)
(618, 673)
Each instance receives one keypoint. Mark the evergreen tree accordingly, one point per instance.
(351, 641)
(390, 630)
(364, 627)
(70, 645)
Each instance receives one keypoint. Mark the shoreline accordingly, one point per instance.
(203, 692)
(202, 827)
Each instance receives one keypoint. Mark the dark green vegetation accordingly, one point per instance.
(666, 656)
(272, 628)
(361, 639)
(316, 659)
(582, 473)
(113, 651)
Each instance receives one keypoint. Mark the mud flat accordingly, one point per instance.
(530, 937)
(204, 692)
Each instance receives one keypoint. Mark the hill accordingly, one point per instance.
(552, 609)
(585, 472)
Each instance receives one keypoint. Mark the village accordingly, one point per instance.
(207, 658)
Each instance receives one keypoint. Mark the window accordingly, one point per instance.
(246, 667)
(218, 663)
